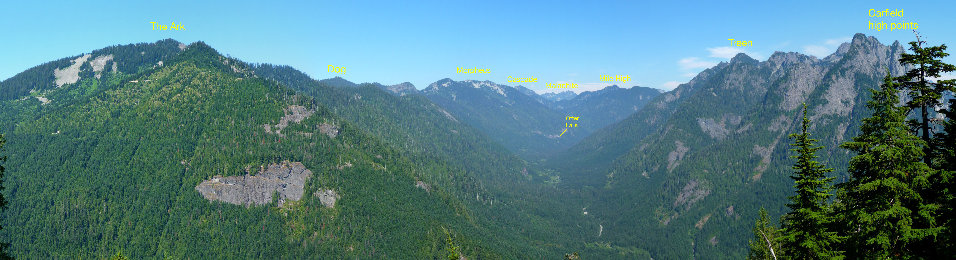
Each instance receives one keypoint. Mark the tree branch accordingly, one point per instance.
(768, 244)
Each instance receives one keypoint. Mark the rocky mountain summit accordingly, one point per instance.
(401, 89)
(720, 141)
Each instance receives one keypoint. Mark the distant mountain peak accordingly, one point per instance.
(447, 82)
(441, 83)
(735, 104)
(861, 39)
(338, 82)
(200, 47)
(742, 58)
(401, 89)
(555, 97)
(785, 58)
(405, 84)
(859, 36)
(896, 44)
(168, 40)
(200, 44)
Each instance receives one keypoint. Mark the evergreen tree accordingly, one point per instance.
(926, 95)
(805, 232)
(942, 184)
(886, 215)
(764, 244)
(450, 247)
(119, 256)
(3, 201)
(947, 139)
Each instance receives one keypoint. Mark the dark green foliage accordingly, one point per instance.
(806, 233)
(701, 200)
(897, 202)
(943, 183)
(3, 201)
(110, 166)
(572, 256)
(130, 59)
(765, 242)
(113, 163)
(337, 82)
(691, 193)
(39, 77)
(450, 247)
(925, 95)
(119, 256)
(500, 189)
(946, 152)
(883, 208)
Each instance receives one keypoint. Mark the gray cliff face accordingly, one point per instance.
(401, 89)
(286, 179)
(720, 140)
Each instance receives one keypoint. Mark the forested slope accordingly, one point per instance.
(690, 170)
(501, 188)
(110, 164)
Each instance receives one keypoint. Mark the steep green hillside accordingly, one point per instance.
(127, 59)
(685, 175)
(168, 150)
(501, 188)
(110, 164)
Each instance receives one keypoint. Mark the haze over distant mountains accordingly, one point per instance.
(565, 95)
(701, 159)
(525, 122)
(108, 150)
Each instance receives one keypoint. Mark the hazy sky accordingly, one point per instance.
(657, 44)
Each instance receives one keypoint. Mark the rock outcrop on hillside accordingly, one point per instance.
(294, 114)
(287, 179)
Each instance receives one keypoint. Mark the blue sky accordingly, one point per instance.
(657, 44)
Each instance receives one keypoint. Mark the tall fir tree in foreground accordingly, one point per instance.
(883, 209)
(805, 230)
(926, 92)
(765, 243)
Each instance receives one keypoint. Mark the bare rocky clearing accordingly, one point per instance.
(287, 179)
(294, 114)
(327, 197)
(71, 74)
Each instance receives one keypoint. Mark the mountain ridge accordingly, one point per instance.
(701, 158)
(678, 174)
(137, 145)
